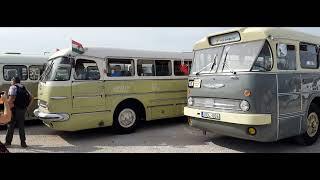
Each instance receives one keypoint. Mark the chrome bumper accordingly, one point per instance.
(50, 117)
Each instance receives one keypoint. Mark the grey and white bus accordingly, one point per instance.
(260, 84)
(28, 68)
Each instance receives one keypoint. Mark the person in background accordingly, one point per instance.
(19, 101)
(80, 72)
(5, 117)
(7, 114)
(116, 71)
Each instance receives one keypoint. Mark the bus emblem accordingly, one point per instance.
(213, 86)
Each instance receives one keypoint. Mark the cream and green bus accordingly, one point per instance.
(112, 87)
(28, 68)
(260, 84)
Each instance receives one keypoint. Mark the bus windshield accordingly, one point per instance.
(58, 69)
(250, 56)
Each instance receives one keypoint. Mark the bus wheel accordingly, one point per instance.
(312, 133)
(125, 119)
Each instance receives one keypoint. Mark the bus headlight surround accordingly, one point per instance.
(190, 101)
(244, 105)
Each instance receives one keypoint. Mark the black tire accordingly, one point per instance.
(118, 127)
(305, 138)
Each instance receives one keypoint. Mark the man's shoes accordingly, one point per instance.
(24, 145)
(7, 144)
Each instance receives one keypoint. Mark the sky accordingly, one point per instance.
(37, 40)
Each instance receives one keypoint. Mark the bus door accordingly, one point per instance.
(289, 90)
(87, 87)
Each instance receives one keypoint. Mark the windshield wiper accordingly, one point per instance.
(225, 64)
(212, 63)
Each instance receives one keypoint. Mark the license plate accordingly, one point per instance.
(210, 115)
(197, 83)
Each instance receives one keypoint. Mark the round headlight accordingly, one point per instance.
(244, 105)
(190, 101)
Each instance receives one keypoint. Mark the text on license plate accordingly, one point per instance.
(210, 115)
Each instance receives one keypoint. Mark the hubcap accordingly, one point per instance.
(127, 118)
(313, 124)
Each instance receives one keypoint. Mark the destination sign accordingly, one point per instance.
(224, 38)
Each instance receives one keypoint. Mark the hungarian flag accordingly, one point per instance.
(77, 47)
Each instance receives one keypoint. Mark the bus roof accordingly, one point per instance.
(101, 52)
(257, 33)
(22, 59)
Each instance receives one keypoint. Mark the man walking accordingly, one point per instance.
(19, 100)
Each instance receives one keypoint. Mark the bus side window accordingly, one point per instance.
(145, 68)
(308, 56)
(163, 68)
(120, 67)
(289, 61)
(35, 72)
(10, 71)
(86, 70)
(181, 69)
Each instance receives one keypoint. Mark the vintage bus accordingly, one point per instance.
(260, 84)
(28, 68)
(112, 87)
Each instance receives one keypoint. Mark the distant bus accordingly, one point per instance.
(28, 68)
(112, 87)
(260, 84)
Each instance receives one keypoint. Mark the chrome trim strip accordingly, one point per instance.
(86, 97)
(292, 114)
(58, 97)
(278, 108)
(289, 94)
(147, 93)
(160, 105)
(287, 117)
(301, 106)
(221, 104)
(90, 112)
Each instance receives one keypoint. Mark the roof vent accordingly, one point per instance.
(11, 53)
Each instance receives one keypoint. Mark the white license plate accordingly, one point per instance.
(197, 83)
(210, 115)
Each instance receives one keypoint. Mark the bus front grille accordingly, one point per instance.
(218, 104)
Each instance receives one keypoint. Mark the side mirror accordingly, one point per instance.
(282, 50)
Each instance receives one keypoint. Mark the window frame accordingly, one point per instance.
(169, 66)
(189, 61)
(317, 55)
(38, 66)
(154, 67)
(3, 68)
(272, 57)
(295, 50)
(85, 59)
(107, 60)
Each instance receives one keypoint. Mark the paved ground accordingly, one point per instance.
(165, 136)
